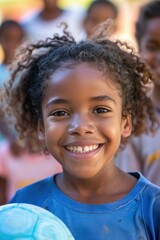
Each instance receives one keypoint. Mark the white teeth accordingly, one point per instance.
(79, 149)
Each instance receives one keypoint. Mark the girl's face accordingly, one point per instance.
(150, 47)
(82, 120)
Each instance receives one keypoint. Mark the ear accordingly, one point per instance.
(126, 126)
(41, 135)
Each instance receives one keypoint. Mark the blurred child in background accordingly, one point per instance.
(18, 167)
(45, 22)
(98, 12)
(143, 152)
(11, 36)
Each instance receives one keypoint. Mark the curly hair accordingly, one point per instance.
(147, 12)
(37, 63)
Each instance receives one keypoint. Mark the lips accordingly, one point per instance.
(82, 149)
(83, 152)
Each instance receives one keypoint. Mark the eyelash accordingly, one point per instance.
(103, 110)
(64, 113)
(58, 113)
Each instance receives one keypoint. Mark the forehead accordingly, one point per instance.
(79, 72)
(80, 81)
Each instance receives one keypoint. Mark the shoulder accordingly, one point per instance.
(148, 203)
(152, 195)
(36, 193)
(147, 191)
(151, 201)
(151, 209)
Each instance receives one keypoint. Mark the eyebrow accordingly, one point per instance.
(64, 101)
(103, 98)
(57, 101)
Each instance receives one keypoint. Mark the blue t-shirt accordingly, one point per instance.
(135, 216)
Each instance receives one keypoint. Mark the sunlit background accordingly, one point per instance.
(128, 9)
(16, 8)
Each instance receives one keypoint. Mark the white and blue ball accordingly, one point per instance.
(29, 222)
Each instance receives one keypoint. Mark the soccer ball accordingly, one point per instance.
(28, 222)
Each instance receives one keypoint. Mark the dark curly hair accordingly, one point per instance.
(37, 62)
(147, 12)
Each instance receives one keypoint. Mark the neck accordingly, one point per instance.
(108, 187)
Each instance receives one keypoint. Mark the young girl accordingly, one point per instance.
(84, 99)
(144, 151)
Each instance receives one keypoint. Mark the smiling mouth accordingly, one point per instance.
(84, 149)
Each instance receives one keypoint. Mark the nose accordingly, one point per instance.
(81, 125)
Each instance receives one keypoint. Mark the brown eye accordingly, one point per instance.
(60, 113)
(101, 110)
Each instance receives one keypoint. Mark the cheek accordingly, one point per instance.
(110, 128)
(54, 135)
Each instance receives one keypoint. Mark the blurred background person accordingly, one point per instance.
(46, 21)
(11, 37)
(19, 166)
(3, 180)
(143, 152)
(99, 11)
